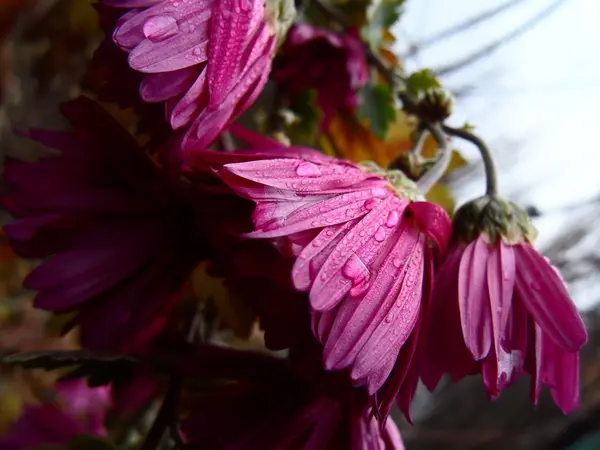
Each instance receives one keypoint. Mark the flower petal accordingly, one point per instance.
(547, 299)
(435, 223)
(473, 299)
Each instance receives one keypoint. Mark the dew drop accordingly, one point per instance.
(397, 263)
(308, 169)
(159, 28)
(392, 219)
(197, 51)
(379, 192)
(329, 233)
(536, 286)
(380, 235)
(389, 318)
(349, 213)
(506, 275)
(355, 270)
(370, 204)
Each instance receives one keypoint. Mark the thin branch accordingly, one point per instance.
(495, 45)
(463, 26)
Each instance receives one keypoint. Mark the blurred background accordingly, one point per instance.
(525, 74)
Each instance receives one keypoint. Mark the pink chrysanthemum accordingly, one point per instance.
(119, 238)
(78, 410)
(207, 59)
(331, 63)
(500, 308)
(362, 250)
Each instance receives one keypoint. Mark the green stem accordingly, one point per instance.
(489, 165)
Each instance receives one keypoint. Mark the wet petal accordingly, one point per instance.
(547, 299)
(473, 298)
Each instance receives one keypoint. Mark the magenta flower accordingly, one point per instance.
(333, 64)
(500, 308)
(362, 253)
(78, 410)
(119, 238)
(208, 60)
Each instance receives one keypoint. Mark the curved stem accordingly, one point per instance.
(491, 174)
(436, 172)
(420, 142)
(163, 419)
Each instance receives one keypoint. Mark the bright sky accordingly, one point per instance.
(538, 98)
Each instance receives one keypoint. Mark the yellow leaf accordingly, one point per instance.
(348, 138)
(441, 195)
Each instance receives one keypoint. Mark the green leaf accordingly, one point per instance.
(376, 105)
(381, 16)
(304, 128)
(90, 443)
(422, 81)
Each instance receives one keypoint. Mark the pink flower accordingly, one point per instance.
(119, 239)
(78, 410)
(332, 63)
(500, 308)
(208, 60)
(362, 250)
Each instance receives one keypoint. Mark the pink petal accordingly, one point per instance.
(547, 299)
(325, 242)
(365, 240)
(474, 300)
(283, 174)
(359, 319)
(435, 223)
(501, 281)
(162, 86)
(230, 28)
(376, 359)
(189, 105)
(336, 210)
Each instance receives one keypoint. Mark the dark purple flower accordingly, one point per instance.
(331, 63)
(118, 238)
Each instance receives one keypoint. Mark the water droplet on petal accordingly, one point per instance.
(379, 192)
(380, 235)
(389, 318)
(397, 263)
(392, 219)
(308, 169)
(355, 270)
(506, 275)
(370, 204)
(536, 286)
(159, 28)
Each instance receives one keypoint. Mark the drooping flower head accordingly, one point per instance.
(208, 60)
(501, 308)
(119, 239)
(363, 249)
(76, 410)
(331, 63)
